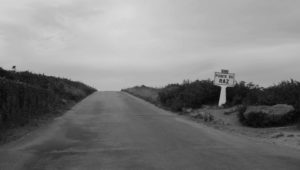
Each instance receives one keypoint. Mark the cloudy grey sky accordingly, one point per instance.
(112, 44)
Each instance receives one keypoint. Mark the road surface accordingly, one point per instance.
(115, 131)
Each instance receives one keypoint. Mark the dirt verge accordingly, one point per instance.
(225, 121)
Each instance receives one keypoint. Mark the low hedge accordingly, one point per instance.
(261, 119)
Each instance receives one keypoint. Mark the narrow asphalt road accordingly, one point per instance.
(115, 131)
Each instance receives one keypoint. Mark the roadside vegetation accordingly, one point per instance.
(149, 94)
(189, 95)
(196, 94)
(26, 97)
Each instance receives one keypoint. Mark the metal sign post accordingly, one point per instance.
(224, 79)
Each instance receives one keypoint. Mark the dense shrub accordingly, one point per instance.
(189, 94)
(170, 96)
(25, 96)
(261, 119)
(62, 87)
(20, 102)
(244, 93)
(287, 92)
(240, 114)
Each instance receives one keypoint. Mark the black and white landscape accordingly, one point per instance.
(149, 84)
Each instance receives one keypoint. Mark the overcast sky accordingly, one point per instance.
(113, 44)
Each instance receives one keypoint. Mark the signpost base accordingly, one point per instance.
(222, 99)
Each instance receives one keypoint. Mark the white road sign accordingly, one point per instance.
(224, 79)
